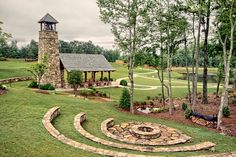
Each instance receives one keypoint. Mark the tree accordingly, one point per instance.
(196, 10)
(87, 48)
(125, 99)
(234, 63)
(206, 26)
(165, 32)
(186, 65)
(38, 70)
(125, 18)
(174, 24)
(75, 78)
(220, 76)
(3, 39)
(226, 23)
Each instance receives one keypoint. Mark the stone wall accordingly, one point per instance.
(15, 79)
(80, 118)
(55, 111)
(48, 48)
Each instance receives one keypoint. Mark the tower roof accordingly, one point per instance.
(48, 19)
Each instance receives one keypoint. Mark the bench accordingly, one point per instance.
(208, 118)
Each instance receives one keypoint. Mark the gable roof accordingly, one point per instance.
(48, 18)
(85, 62)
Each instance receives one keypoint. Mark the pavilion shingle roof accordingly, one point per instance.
(48, 18)
(85, 62)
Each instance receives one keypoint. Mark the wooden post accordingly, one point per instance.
(101, 75)
(109, 75)
(85, 76)
(94, 78)
(91, 76)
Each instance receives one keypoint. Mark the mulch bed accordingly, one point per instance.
(89, 97)
(229, 124)
(3, 92)
(41, 91)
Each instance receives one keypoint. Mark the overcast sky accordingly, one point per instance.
(78, 20)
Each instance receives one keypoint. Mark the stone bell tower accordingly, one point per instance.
(48, 50)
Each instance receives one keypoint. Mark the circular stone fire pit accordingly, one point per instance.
(145, 131)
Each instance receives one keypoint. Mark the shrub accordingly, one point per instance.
(33, 84)
(184, 106)
(148, 98)
(47, 86)
(93, 89)
(188, 113)
(51, 87)
(104, 94)
(111, 79)
(3, 59)
(105, 79)
(3, 87)
(84, 93)
(123, 83)
(234, 101)
(226, 111)
(158, 110)
(92, 92)
(125, 99)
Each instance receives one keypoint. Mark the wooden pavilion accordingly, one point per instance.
(87, 63)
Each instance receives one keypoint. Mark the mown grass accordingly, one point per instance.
(22, 110)
(14, 68)
(141, 95)
(156, 82)
(22, 132)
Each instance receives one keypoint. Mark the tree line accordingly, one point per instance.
(30, 51)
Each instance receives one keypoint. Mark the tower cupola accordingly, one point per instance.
(48, 23)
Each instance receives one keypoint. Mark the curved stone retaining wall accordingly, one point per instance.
(80, 118)
(55, 111)
(13, 80)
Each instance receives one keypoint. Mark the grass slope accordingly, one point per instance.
(14, 68)
(22, 132)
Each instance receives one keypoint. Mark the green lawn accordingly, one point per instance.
(155, 82)
(122, 71)
(14, 68)
(141, 95)
(18, 68)
(22, 132)
(22, 110)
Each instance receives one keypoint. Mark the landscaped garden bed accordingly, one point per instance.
(210, 109)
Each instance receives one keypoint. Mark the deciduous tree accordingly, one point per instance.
(75, 78)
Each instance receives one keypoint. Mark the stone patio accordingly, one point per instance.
(155, 134)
